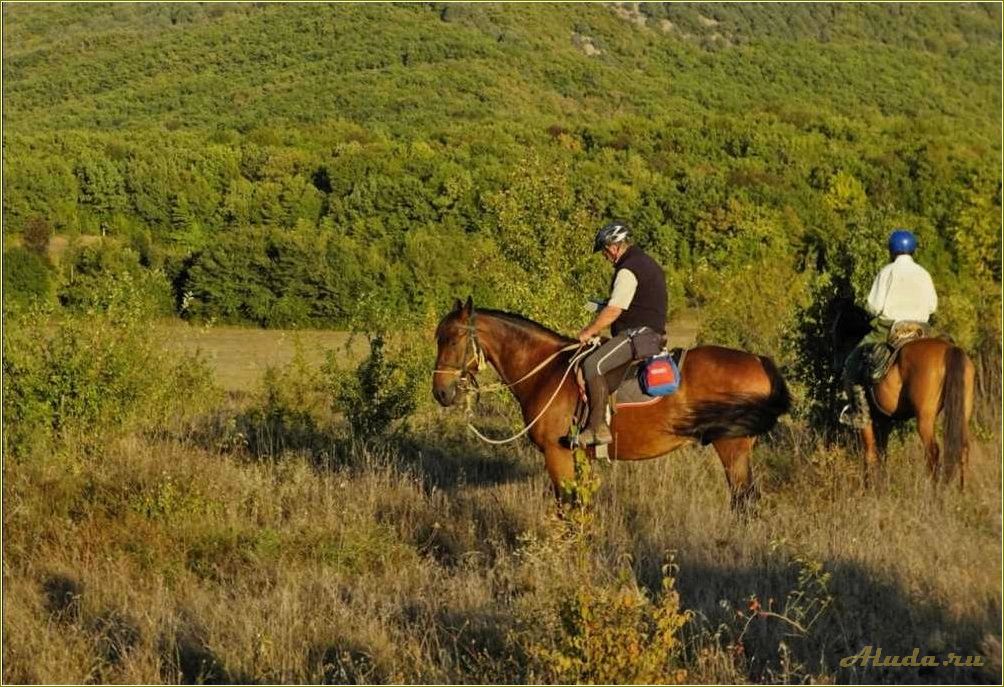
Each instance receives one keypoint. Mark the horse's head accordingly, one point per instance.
(458, 356)
(849, 322)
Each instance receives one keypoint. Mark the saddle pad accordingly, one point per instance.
(625, 385)
(629, 393)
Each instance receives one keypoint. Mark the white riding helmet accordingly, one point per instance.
(612, 233)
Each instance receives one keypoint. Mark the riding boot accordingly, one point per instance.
(597, 432)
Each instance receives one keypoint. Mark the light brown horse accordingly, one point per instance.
(726, 397)
(929, 376)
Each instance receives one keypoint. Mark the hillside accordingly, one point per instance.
(187, 499)
(389, 132)
(404, 68)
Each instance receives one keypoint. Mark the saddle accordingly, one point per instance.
(883, 356)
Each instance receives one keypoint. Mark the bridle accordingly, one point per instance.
(477, 359)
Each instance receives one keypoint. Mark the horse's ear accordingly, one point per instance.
(457, 305)
(470, 304)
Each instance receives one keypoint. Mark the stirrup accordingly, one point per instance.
(852, 418)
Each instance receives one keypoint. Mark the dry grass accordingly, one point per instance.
(433, 558)
(162, 562)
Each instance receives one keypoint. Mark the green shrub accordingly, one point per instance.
(106, 275)
(379, 392)
(27, 278)
(87, 378)
(753, 307)
(289, 410)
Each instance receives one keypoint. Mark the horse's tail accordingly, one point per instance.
(779, 399)
(958, 389)
(743, 415)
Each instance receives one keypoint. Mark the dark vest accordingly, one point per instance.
(648, 308)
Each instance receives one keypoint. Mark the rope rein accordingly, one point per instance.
(502, 385)
(584, 350)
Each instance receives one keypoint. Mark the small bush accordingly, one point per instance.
(105, 276)
(37, 232)
(591, 631)
(612, 636)
(288, 414)
(378, 393)
(27, 278)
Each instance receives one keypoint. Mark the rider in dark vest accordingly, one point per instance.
(636, 307)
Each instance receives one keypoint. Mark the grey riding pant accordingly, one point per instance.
(614, 353)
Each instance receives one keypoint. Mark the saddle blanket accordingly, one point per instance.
(882, 356)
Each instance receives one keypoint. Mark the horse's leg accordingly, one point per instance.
(970, 384)
(882, 428)
(735, 456)
(561, 469)
(925, 427)
(871, 455)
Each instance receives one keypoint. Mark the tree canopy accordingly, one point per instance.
(311, 165)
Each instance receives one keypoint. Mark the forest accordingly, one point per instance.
(261, 164)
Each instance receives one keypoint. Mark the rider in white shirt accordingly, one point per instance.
(903, 290)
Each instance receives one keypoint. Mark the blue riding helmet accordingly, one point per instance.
(902, 242)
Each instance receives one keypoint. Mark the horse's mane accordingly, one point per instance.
(522, 322)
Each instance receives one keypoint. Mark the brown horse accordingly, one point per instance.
(726, 397)
(929, 376)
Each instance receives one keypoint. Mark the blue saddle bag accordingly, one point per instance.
(659, 376)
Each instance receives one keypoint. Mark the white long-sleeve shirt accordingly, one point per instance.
(903, 290)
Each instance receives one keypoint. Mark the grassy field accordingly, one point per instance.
(212, 555)
(212, 504)
(238, 356)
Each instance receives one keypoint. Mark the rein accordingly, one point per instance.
(585, 349)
